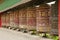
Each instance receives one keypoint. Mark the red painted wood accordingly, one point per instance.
(59, 17)
(0, 21)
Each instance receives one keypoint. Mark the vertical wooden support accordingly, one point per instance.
(59, 17)
(0, 20)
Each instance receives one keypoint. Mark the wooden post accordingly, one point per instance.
(0, 20)
(59, 17)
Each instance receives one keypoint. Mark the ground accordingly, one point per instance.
(7, 34)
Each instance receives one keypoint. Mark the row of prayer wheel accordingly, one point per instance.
(30, 18)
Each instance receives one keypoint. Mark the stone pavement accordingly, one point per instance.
(7, 34)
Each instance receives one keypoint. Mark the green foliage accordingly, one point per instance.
(55, 37)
